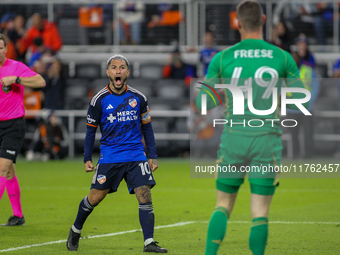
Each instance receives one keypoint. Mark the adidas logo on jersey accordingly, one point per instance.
(150, 178)
(109, 107)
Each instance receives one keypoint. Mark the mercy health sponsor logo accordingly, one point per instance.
(123, 116)
(239, 93)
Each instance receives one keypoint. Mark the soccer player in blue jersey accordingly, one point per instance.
(120, 111)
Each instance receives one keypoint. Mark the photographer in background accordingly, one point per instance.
(48, 142)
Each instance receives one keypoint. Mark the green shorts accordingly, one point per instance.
(256, 156)
(254, 188)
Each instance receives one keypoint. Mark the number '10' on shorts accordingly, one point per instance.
(110, 175)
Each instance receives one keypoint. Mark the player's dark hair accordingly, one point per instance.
(3, 38)
(249, 13)
(118, 57)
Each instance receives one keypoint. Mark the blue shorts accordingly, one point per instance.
(135, 174)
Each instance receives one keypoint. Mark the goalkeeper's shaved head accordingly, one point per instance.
(249, 13)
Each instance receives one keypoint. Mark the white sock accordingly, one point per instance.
(76, 230)
(148, 241)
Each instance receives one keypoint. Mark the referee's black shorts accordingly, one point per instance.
(12, 134)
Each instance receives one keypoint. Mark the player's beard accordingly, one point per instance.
(119, 88)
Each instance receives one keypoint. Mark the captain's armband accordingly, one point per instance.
(146, 117)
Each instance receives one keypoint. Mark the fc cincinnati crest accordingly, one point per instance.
(133, 102)
(101, 179)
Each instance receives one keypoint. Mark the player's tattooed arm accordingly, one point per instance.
(143, 194)
(89, 166)
(153, 163)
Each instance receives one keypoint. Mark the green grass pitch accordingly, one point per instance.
(304, 214)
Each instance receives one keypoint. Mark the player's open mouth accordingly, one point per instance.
(118, 81)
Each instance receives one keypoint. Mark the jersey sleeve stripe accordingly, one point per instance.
(286, 60)
(91, 125)
(100, 93)
(293, 75)
(289, 83)
(133, 90)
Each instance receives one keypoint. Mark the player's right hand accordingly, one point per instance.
(89, 166)
(153, 163)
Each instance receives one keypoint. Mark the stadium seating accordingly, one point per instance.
(97, 84)
(325, 104)
(172, 92)
(65, 70)
(76, 94)
(161, 126)
(182, 127)
(329, 88)
(88, 70)
(325, 126)
(158, 104)
(146, 86)
(69, 31)
(80, 128)
(170, 89)
(321, 70)
(151, 71)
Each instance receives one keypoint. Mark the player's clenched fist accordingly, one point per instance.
(153, 163)
(89, 166)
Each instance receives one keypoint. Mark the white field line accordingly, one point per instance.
(168, 226)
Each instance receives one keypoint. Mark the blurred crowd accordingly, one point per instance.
(36, 42)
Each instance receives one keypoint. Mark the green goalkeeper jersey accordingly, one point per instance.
(256, 64)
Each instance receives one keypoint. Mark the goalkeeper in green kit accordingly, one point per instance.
(249, 139)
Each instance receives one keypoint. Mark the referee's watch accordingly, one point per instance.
(17, 80)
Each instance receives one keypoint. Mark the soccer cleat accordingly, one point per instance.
(72, 241)
(153, 247)
(15, 221)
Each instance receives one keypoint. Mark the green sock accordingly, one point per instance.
(216, 230)
(258, 235)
